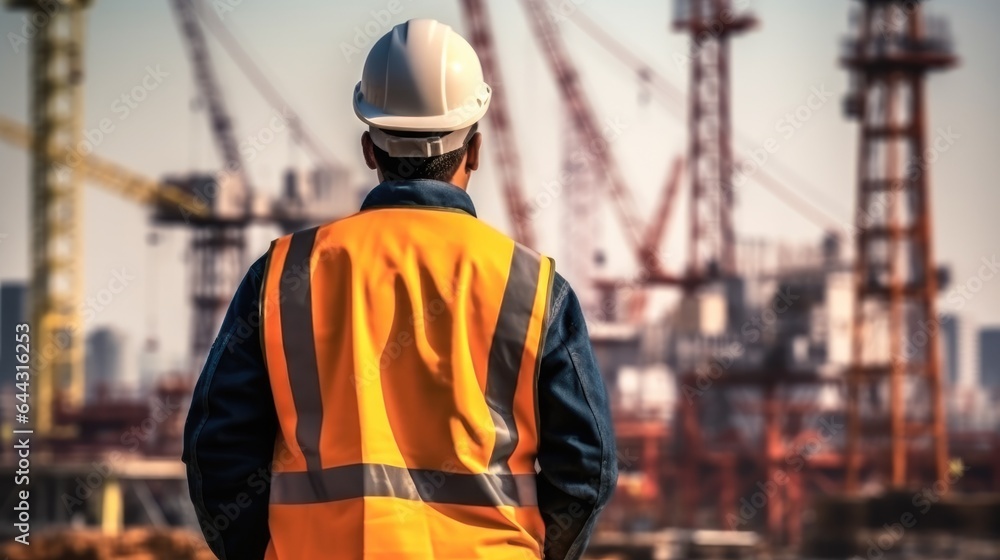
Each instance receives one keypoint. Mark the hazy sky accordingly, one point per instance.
(305, 46)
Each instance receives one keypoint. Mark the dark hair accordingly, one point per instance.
(438, 168)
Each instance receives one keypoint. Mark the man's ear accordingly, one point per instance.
(368, 148)
(472, 152)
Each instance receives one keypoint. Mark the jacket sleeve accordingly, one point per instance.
(230, 432)
(576, 450)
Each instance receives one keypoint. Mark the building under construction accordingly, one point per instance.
(788, 401)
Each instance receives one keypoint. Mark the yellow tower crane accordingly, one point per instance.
(56, 280)
(57, 173)
(58, 170)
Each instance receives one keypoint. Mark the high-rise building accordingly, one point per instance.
(989, 358)
(950, 352)
(105, 349)
(13, 311)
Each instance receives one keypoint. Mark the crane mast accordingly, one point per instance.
(895, 277)
(710, 24)
(56, 207)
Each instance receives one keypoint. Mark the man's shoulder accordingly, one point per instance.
(564, 305)
(561, 289)
(259, 267)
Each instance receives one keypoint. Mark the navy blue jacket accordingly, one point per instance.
(231, 426)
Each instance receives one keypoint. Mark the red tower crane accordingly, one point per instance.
(507, 159)
(671, 97)
(711, 244)
(894, 360)
(652, 240)
(586, 132)
(582, 115)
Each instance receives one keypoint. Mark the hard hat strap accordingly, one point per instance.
(420, 147)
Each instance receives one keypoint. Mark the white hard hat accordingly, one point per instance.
(421, 77)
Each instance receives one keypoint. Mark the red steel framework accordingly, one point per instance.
(582, 116)
(710, 23)
(217, 247)
(894, 384)
(581, 221)
(716, 461)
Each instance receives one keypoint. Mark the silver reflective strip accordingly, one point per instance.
(364, 480)
(506, 351)
(295, 298)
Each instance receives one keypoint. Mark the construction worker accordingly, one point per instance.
(406, 382)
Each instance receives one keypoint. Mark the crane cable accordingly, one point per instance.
(673, 99)
(266, 88)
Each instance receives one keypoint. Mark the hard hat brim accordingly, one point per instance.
(461, 117)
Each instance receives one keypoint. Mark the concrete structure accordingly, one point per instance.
(989, 359)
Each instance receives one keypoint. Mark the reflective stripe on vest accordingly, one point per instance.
(403, 364)
(357, 481)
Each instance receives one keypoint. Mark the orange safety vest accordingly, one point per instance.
(403, 346)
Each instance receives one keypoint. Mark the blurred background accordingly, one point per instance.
(776, 213)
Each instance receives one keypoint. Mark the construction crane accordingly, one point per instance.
(581, 219)
(674, 101)
(567, 78)
(59, 395)
(710, 24)
(583, 117)
(113, 177)
(218, 246)
(653, 237)
(895, 275)
(587, 133)
(507, 158)
(209, 89)
(301, 131)
(58, 170)
(650, 250)
(56, 278)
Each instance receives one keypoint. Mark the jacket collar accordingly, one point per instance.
(419, 192)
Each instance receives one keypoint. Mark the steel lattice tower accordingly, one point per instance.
(894, 384)
(710, 153)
